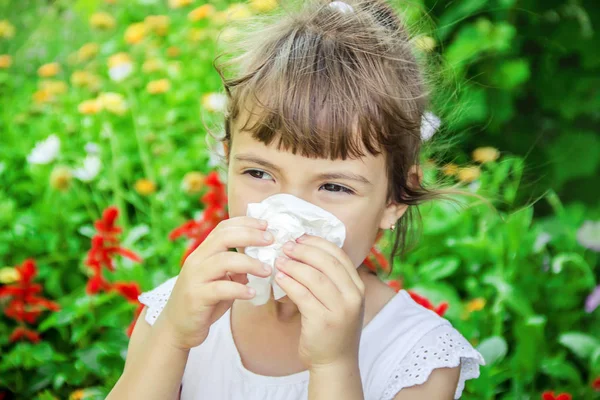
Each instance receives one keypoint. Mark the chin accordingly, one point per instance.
(284, 299)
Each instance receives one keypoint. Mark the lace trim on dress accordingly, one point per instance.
(156, 299)
(442, 347)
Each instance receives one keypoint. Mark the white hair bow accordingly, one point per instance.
(341, 6)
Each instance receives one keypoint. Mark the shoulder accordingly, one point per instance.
(156, 299)
(414, 346)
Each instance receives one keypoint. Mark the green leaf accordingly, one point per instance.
(562, 370)
(439, 268)
(493, 349)
(583, 345)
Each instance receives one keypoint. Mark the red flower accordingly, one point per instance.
(423, 301)
(548, 395)
(22, 332)
(25, 304)
(596, 384)
(105, 245)
(129, 290)
(396, 285)
(377, 256)
(215, 201)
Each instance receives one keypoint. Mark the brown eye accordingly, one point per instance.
(332, 187)
(258, 174)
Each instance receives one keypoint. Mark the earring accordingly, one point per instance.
(393, 227)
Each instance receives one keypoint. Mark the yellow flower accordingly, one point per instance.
(8, 275)
(152, 65)
(263, 5)
(43, 96)
(113, 102)
(179, 3)
(87, 51)
(173, 51)
(135, 33)
(49, 70)
(220, 17)
(90, 107)
(198, 34)
(450, 169)
(7, 30)
(158, 86)
(193, 182)
(102, 20)
(85, 79)
(159, 24)
(77, 395)
(54, 87)
(229, 34)
(468, 174)
(5, 61)
(485, 154)
(475, 305)
(238, 11)
(119, 58)
(425, 43)
(145, 187)
(201, 12)
(60, 178)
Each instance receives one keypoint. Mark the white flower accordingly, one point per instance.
(429, 125)
(120, 71)
(45, 151)
(92, 148)
(90, 169)
(588, 235)
(215, 102)
(216, 155)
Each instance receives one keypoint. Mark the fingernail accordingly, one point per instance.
(267, 267)
(301, 238)
(262, 222)
(289, 246)
(280, 260)
(280, 275)
(251, 291)
(268, 236)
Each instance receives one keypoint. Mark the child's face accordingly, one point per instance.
(257, 171)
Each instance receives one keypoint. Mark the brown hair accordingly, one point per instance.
(332, 84)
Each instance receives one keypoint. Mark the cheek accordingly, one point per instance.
(361, 231)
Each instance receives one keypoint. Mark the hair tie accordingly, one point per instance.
(341, 6)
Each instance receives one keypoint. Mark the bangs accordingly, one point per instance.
(311, 87)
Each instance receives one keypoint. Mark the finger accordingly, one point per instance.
(248, 222)
(322, 261)
(230, 237)
(304, 299)
(233, 263)
(335, 251)
(324, 290)
(217, 291)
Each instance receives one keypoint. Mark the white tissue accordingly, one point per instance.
(288, 217)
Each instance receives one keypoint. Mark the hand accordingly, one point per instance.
(211, 278)
(323, 282)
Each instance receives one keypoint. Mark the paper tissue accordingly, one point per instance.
(288, 217)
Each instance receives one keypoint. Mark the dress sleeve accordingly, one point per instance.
(442, 347)
(156, 299)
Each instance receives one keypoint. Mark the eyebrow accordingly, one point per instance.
(326, 175)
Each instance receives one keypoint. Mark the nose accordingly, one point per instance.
(297, 191)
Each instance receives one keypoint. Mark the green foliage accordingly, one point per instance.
(519, 76)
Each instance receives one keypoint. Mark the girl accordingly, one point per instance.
(327, 107)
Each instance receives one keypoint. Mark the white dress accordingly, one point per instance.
(398, 348)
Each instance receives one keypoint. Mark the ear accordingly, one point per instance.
(394, 211)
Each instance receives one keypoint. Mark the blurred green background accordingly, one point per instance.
(104, 103)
